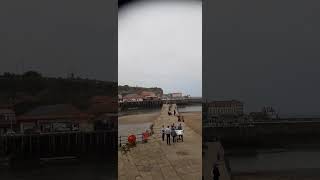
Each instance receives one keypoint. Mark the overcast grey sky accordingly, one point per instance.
(160, 44)
(263, 53)
(58, 37)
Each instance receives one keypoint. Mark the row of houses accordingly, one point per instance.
(139, 97)
(148, 95)
(102, 115)
(217, 108)
(224, 113)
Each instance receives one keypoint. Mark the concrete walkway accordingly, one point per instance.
(155, 160)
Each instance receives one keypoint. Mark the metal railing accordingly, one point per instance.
(124, 139)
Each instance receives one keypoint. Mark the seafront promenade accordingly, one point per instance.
(155, 160)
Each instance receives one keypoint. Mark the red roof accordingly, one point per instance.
(132, 96)
(78, 117)
(102, 99)
(54, 112)
(147, 93)
(6, 111)
(103, 108)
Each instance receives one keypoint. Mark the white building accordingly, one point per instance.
(7, 120)
(176, 95)
(132, 98)
(270, 112)
(217, 108)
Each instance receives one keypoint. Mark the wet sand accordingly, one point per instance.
(301, 174)
(138, 118)
(194, 121)
(136, 123)
(274, 177)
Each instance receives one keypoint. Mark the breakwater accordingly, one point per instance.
(265, 134)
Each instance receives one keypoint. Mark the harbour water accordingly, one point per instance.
(276, 161)
(128, 129)
(76, 170)
(191, 108)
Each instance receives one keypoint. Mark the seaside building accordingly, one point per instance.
(7, 120)
(176, 95)
(120, 99)
(148, 95)
(102, 104)
(107, 121)
(102, 99)
(218, 108)
(132, 98)
(266, 113)
(55, 118)
(270, 112)
(165, 97)
(227, 121)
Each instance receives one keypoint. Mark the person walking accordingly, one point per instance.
(162, 133)
(173, 133)
(215, 172)
(173, 125)
(168, 132)
(180, 137)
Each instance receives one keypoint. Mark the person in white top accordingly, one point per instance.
(168, 132)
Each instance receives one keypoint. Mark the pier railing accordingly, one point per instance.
(139, 137)
(124, 139)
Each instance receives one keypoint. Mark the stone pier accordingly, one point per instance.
(155, 160)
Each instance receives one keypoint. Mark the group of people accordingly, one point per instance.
(171, 132)
(174, 113)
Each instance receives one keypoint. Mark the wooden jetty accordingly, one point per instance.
(102, 144)
(158, 103)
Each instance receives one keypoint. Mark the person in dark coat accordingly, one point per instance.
(215, 172)
(162, 132)
(173, 133)
(168, 132)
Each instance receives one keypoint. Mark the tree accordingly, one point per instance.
(8, 74)
(32, 74)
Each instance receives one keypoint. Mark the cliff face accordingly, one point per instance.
(25, 92)
(124, 90)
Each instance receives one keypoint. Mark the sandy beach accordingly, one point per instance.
(194, 121)
(138, 118)
(136, 123)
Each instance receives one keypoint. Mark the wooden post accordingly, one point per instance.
(54, 144)
(30, 144)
